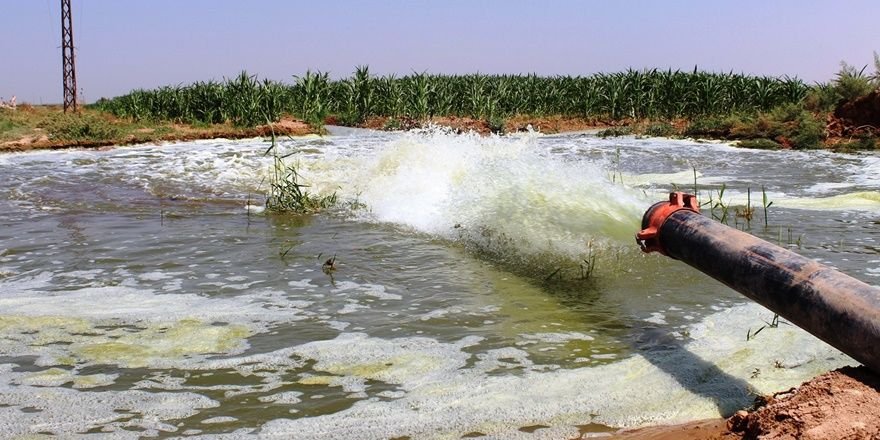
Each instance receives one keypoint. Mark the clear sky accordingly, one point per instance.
(127, 44)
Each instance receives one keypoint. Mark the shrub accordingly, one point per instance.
(6, 124)
(660, 129)
(849, 83)
(615, 132)
(852, 83)
(760, 144)
(711, 126)
(496, 124)
(753, 127)
(864, 143)
(808, 133)
(798, 126)
(822, 98)
(79, 127)
(392, 124)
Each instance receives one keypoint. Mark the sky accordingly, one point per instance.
(125, 44)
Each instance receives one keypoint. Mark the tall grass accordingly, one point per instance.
(287, 193)
(665, 94)
(243, 101)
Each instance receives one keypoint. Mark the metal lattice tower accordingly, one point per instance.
(68, 65)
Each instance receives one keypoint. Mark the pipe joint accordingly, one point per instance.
(657, 214)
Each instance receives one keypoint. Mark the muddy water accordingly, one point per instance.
(484, 286)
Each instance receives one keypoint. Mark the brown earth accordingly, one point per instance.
(839, 130)
(559, 124)
(863, 112)
(856, 119)
(838, 405)
(711, 429)
(462, 124)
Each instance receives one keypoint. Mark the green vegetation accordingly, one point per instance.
(861, 143)
(615, 132)
(79, 127)
(789, 125)
(759, 111)
(243, 101)
(30, 127)
(633, 94)
(807, 123)
(287, 193)
(849, 83)
(51, 125)
(760, 144)
(660, 129)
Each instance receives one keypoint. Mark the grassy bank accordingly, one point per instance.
(757, 111)
(843, 114)
(760, 111)
(27, 128)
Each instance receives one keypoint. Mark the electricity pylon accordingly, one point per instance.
(68, 65)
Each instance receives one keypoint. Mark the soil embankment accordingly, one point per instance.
(464, 124)
(863, 112)
(841, 404)
(29, 128)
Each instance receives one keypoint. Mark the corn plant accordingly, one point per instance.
(420, 91)
(652, 94)
(312, 92)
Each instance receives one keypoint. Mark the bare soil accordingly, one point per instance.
(711, 429)
(838, 405)
(842, 404)
(463, 124)
(863, 112)
(558, 124)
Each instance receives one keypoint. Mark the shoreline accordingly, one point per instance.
(839, 404)
(805, 409)
(40, 139)
(46, 128)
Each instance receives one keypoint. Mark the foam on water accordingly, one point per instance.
(118, 414)
(713, 373)
(55, 377)
(683, 179)
(438, 389)
(128, 356)
(860, 201)
(471, 187)
(132, 327)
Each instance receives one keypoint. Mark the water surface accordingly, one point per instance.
(484, 286)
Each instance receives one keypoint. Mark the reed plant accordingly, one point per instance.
(287, 193)
(767, 204)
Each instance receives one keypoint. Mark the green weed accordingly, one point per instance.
(287, 193)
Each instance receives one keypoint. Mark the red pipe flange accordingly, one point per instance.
(657, 214)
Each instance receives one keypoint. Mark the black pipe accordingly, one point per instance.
(836, 308)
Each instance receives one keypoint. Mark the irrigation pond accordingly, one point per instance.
(483, 286)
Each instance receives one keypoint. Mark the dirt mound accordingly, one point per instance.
(842, 404)
(286, 126)
(863, 111)
(464, 124)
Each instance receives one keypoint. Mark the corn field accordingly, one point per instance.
(654, 94)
